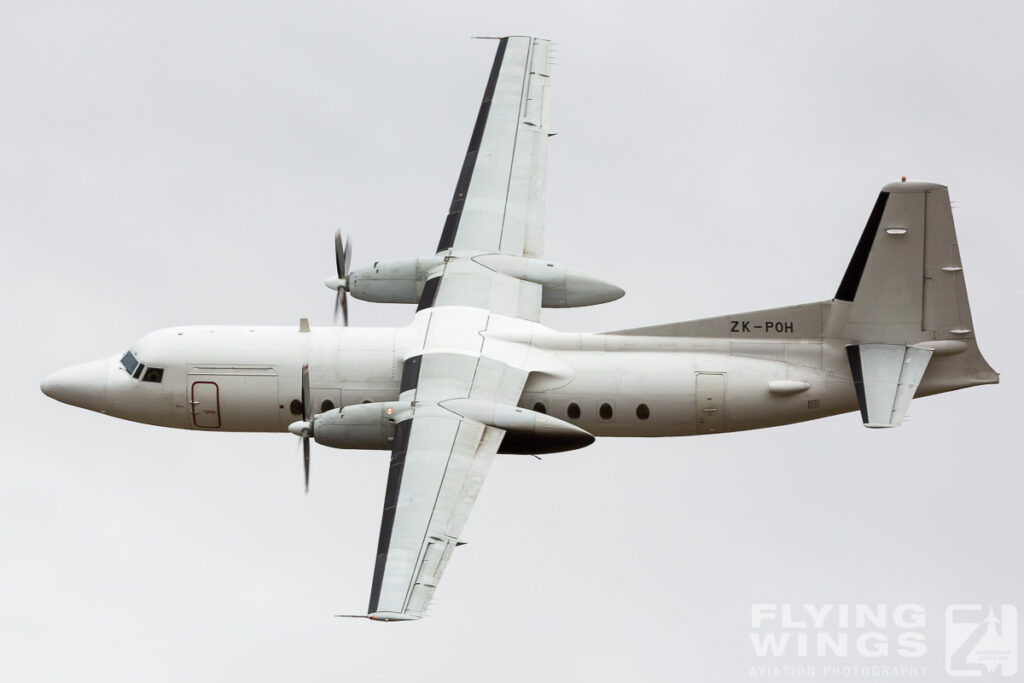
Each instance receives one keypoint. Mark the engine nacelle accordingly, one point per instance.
(401, 281)
(368, 426)
(564, 287)
(371, 426)
(527, 432)
(392, 282)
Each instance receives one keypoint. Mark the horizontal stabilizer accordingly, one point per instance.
(886, 377)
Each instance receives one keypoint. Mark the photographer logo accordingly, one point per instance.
(981, 640)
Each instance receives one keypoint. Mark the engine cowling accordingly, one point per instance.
(392, 282)
(367, 426)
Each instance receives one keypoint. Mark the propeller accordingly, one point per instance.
(342, 259)
(304, 428)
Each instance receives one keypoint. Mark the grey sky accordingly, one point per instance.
(188, 163)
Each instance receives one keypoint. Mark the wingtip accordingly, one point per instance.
(381, 616)
(391, 616)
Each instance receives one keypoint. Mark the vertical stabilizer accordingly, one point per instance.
(905, 281)
(902, 306)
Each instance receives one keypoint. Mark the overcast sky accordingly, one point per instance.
(189, 162)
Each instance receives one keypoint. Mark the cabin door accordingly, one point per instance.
(710, 402)
(204, 403)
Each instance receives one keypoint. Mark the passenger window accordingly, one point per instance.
(539, 407)
(642, 411)
(605, 411)
(326, 406)
(295, 408)
(573, 411)
(155, 375)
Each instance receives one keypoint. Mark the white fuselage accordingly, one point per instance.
(248, 379)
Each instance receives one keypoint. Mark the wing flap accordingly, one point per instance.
(463, 479)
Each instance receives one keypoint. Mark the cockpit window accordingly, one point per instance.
(153, 375)
(129, 362)
(139, 370)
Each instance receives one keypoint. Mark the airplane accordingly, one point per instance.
(475, 373)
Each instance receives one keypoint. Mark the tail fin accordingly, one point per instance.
(905, 280)
(904, 289)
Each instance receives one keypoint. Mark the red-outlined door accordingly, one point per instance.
(205, 402)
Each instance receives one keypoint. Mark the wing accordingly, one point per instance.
(498, 203)
(440, 455)
(438, 465)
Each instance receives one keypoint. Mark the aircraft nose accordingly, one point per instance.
(84, 386)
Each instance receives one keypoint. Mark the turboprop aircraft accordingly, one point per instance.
(475, 373)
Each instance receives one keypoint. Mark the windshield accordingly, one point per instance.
(129, 362)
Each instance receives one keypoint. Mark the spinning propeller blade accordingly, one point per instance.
(342, 259)
(305, 459)
(306, 417)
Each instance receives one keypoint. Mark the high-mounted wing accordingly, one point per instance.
(495, 224)
(457, 381)
(498, 203)
(498, 206)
